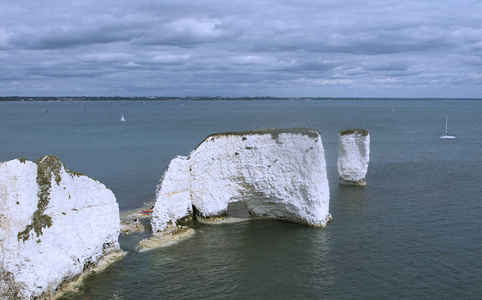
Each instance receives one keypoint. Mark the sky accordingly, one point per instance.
(281, 48)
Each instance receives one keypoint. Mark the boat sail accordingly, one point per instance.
(446, 134)
(122, 118)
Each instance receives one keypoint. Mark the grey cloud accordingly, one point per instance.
(208, 46)
(387, 66)
(69, 35)
(187, 32)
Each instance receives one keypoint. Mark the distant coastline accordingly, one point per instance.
(206, 98)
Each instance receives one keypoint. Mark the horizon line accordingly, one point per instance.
(118, 97)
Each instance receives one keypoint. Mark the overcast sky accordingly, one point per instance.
(293, 48)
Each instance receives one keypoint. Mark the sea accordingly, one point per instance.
(414, 232)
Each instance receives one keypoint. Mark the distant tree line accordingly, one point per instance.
(161, 98)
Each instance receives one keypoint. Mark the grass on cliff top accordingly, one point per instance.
(363, 132)
(274, 132)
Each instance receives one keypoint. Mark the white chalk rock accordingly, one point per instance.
(353, 156)
(173, 195)
(54, 225)
(276, 173)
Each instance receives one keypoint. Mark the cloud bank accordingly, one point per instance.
(279, 48)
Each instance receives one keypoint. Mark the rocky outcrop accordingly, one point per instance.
(353, 156)
(55, 225)
(277, 173)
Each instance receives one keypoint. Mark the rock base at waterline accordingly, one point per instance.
(165, 238)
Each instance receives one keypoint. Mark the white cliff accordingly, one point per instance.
(55, 225)
(173, 196)
(276, 173)
(353, 156)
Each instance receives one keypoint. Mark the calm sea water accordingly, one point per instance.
(413, 232)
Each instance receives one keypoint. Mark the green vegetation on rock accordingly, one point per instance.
(47, 166)
(363, 132)
(73, 173)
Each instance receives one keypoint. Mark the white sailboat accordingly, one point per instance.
(122, 118)
(447, 135)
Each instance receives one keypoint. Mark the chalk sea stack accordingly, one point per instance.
(277, 173)
(55, 226)
(353, 156)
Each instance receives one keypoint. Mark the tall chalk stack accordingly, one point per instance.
(353, 156)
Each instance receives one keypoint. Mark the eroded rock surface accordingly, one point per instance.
(55, 225)
(277, 173)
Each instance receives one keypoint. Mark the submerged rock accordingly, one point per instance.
(353, 156)
(134, 221)
(165, 238)
(55, 226)
(277, 173)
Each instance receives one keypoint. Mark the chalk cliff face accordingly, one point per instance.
(353, 156)
(54, 225)
(173, 196)
(276, 173)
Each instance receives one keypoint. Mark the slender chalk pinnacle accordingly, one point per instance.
(353, 156)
